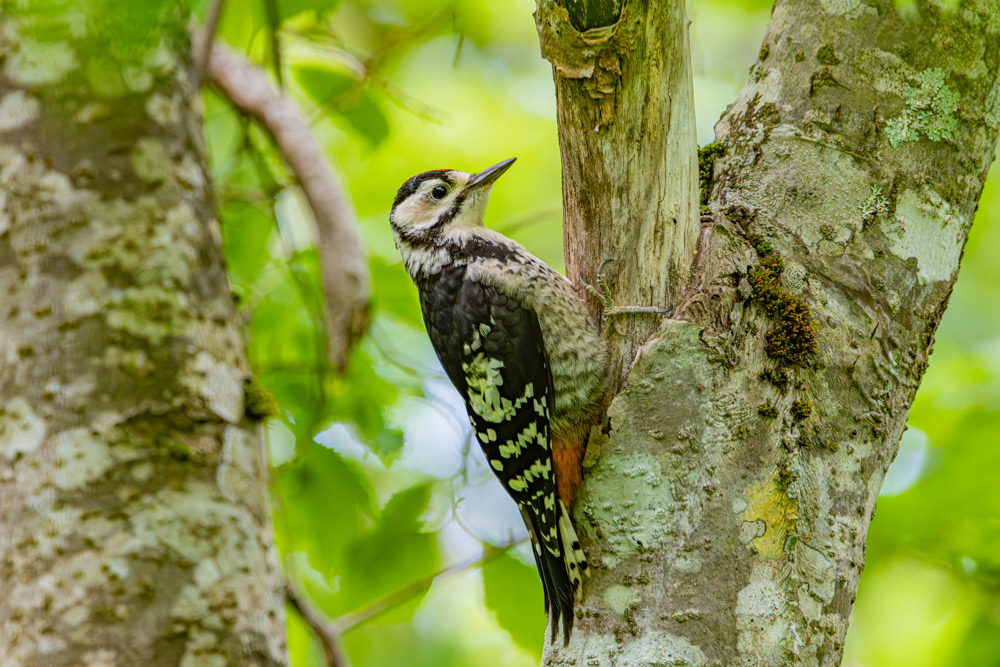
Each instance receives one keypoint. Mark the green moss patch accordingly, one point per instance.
(802, 410)
(776, 376)
(760, 244)
(260, 404)
(706, 169)
(767, 411)
(793, 340)
(826, 55)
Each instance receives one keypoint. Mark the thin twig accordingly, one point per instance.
(212, 16)
(274, 20)
(329, 632)
(355, 618)
(324, 630)
(346, 282)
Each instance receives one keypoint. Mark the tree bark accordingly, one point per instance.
(135, 521)
(726, 513)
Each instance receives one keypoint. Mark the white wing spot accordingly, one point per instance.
(482, 375)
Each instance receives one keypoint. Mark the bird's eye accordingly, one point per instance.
(439, 191)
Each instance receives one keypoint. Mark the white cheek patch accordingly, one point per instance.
(417, 212)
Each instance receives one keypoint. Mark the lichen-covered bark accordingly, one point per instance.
(629, 153)
(135, 528)
(727, 512)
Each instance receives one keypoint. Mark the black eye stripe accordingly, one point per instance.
(412, 185)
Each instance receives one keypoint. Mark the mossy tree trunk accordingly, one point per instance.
(726, 511)
(135, 527)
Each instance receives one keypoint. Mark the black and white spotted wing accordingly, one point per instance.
(492, 350)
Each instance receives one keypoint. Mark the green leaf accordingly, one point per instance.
(514, 593)
(391, 556)
(329, 501)
(290, 8)
(322, 83)
(247, 235)
(361, 397)
(367, 117)
(388, 443)
(338, 88)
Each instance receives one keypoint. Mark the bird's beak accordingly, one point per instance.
(486, 177)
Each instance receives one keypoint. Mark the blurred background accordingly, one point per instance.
(376, 486)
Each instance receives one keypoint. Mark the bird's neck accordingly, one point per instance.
(425, 255)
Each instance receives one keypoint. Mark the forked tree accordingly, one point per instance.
(729, 497)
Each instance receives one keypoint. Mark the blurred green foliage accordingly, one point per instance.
(375, 484)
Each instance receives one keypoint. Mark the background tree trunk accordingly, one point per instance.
(135, 520)
(726, 514)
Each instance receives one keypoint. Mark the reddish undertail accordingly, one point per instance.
(567, 457)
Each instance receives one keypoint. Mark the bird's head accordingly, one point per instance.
(435, 202)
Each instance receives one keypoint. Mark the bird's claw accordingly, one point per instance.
(603, 294)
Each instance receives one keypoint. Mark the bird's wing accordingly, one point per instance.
(491, 347)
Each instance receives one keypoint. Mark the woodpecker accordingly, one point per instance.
(520, 348)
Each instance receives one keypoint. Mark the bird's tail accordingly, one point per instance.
(561, 573)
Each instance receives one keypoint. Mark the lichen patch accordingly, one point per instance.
(661, 648)
(21, 430)
(926, 230)
(761, 619)
(930, 111)
(80, 458)
(769, 518)
(164, 110)
(618, 598)
(150, 160)
(848, 8)
(237, 474)
(220, 384)
(634, 513)
(17, 109)
(33, 63)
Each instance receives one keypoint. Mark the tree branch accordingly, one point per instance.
(346, 282)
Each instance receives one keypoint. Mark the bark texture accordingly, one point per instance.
(726, 513)
(135, 521)
(629, 153)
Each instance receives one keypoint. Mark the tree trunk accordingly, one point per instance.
(135, 520)
(726, 513)
(629, 154)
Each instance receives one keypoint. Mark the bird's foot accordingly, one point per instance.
(610, 311)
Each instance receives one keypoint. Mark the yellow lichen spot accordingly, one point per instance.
(777, 512)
